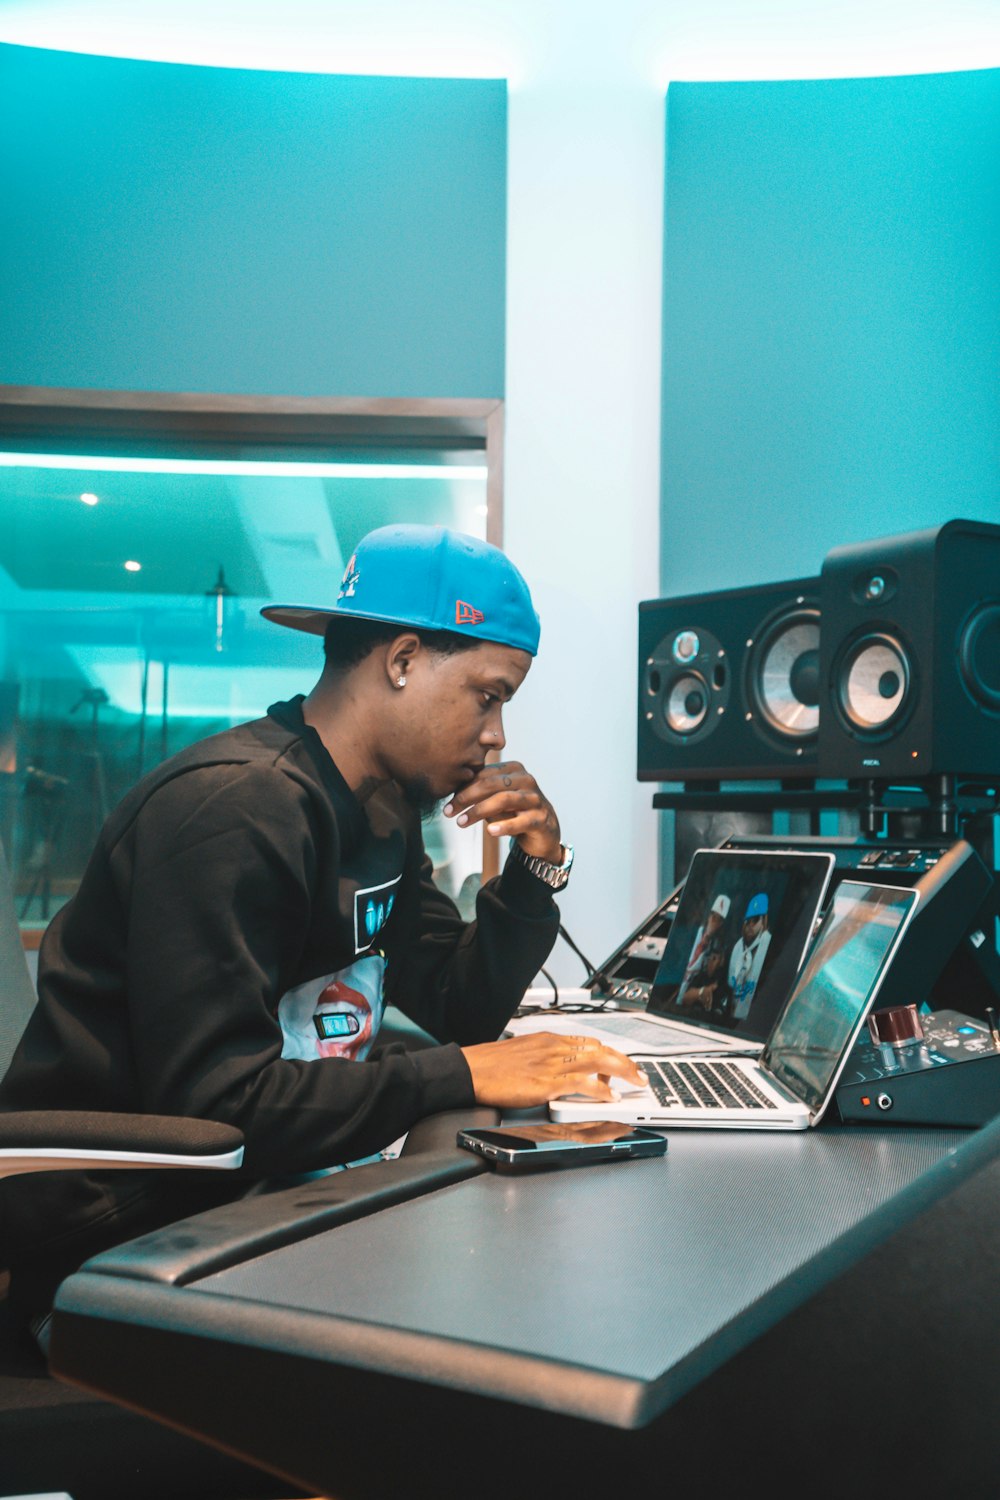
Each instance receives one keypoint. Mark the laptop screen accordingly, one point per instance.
(842, 975)
(744, 921)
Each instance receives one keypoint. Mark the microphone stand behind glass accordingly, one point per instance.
(48, 793)
(95, 782)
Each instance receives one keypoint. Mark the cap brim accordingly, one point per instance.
(315, 621)
(299, 617)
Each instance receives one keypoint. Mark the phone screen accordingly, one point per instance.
(334, 1023)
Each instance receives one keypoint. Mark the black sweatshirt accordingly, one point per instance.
(239, 890)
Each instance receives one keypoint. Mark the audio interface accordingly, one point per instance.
(947, 1074)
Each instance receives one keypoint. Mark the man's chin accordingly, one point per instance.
(420, 795)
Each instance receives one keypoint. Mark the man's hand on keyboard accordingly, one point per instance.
(534, 1069)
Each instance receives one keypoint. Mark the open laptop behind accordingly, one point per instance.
(744, 921)
(789, 1086)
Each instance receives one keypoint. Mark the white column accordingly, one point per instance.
(585, 177)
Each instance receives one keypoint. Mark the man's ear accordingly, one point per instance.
(399, 658)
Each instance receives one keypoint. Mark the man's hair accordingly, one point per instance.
(349, 639)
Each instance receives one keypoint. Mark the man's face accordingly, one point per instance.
(449, 715)
(752, 928)
(713, 924)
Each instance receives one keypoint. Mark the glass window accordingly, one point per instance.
(130, 591)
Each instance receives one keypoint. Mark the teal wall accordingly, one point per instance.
(168, 227)
(831, 324)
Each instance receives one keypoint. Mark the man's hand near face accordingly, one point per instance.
(509, 801)
(529, 1070)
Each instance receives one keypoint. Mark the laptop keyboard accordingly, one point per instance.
(703, 1085)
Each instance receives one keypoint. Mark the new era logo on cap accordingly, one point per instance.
(467, 614)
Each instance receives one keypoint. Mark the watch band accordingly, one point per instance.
(554, 876)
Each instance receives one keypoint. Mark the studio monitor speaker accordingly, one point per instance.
(729, 684)
(910, 655)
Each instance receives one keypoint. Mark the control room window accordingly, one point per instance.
(130, 593)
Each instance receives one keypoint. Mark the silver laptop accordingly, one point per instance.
(744, 922)
(790, 1084)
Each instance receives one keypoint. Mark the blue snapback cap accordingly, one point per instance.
(757, 906)
(431, 578)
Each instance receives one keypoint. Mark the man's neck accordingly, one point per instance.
(338, 717)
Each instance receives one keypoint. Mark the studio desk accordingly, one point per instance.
(814, 1309)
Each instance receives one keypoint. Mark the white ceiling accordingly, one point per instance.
(528, 41)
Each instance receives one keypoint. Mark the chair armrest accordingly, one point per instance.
(60, 1140)
(436, 1133)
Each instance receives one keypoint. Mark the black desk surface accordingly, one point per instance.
(635, 1272)
(590, 1300)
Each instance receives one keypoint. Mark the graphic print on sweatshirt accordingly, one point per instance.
(372, 906)
(339, 1014)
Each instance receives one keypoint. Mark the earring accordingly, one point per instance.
(400, 681)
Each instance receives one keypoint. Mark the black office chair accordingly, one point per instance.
(58, 1438)
(53, 1437)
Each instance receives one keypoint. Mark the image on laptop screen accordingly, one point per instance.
(744, 922)
(836, 987)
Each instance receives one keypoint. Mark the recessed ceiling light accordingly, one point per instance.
(133, 567)
(88, 497)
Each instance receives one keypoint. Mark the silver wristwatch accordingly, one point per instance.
(554, 876)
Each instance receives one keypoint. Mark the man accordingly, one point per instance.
(706, 985)
(747, 958)
(255, 902)
(708, 933)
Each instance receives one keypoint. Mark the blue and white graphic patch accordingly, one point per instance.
(372, 905)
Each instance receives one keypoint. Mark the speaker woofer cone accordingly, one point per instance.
(784, 676)
(686, 707)
(873, 684)
(979, 656)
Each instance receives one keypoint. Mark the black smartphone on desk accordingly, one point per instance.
(539, 1148)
